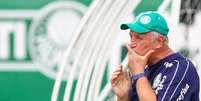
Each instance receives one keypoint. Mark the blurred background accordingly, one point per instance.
(65, 50)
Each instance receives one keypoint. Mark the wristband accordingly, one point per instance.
(136, 77)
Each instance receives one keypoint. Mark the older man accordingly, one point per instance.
(156, 73)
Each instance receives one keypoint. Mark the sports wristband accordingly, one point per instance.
(136, 77)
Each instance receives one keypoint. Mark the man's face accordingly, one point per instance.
(142, 43)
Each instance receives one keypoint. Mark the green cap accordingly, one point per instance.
(147, 22)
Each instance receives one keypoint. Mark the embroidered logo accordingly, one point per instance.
(157, 80)
(168, 65)
(145, 19)
(158, 83)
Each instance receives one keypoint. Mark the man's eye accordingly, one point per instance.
(138, 37)
(130, 35)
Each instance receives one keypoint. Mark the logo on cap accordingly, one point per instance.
(145, 19)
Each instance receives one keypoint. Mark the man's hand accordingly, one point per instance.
(137, 65)
(137, 62)
(121, 83)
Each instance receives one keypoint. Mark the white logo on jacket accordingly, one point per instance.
(183, 92)
(168, 65)
(158, 83)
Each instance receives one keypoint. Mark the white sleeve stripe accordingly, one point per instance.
(180, 80)
(171, 80)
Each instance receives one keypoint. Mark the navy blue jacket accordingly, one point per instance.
(173, 78)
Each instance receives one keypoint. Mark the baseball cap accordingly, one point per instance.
(147, 22)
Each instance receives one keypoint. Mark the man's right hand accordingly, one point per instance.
(121, 83)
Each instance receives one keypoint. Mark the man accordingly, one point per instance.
(156, 73)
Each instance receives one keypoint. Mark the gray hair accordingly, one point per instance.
(157, 35)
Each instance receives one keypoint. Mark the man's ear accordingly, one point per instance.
(160, 40)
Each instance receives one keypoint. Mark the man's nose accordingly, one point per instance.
(132, 39)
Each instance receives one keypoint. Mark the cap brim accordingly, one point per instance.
(135, 27)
